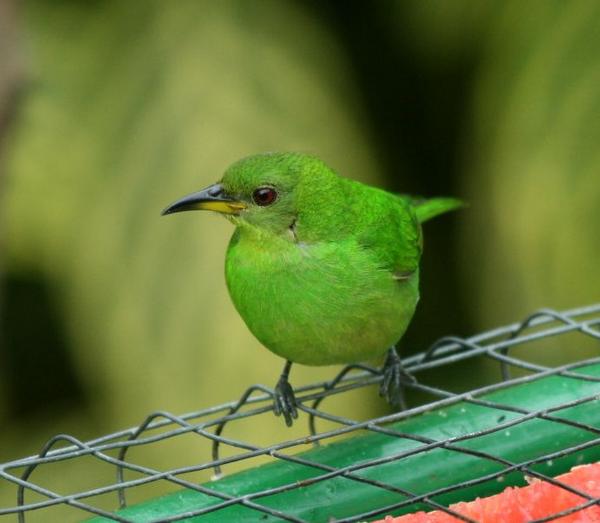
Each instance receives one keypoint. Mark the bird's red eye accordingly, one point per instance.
(264, 196)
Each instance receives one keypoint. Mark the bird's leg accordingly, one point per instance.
(285, 401)
(394, 375)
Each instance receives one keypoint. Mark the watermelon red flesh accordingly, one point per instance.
(518, 505)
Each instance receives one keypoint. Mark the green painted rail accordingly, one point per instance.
(517, 440)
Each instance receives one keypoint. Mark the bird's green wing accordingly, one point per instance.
(390, 231)
(391, 228)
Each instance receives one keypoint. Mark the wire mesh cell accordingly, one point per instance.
(534, 417)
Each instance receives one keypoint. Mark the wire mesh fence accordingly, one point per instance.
(537, 416)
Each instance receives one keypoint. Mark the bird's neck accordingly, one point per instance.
(249, 233)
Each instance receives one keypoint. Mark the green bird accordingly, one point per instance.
(323, 269)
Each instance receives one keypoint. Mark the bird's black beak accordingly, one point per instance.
(213, 198)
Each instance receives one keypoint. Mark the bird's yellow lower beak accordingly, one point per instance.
(213, 198)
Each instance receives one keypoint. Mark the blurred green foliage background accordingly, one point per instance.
(111, 109)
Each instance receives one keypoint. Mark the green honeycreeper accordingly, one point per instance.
(323, 269)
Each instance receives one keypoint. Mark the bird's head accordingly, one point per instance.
(266, 191)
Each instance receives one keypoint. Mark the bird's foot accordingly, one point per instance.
(394, 376)
(285, 400)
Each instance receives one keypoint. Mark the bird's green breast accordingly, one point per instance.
(319, 303)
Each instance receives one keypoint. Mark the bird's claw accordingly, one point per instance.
(285, 401)
(394, 376)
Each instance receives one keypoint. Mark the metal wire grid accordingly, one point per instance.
(209, 423)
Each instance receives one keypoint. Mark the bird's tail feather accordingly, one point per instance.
(427, 209)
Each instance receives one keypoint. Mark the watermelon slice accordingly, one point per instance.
(539, 499)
